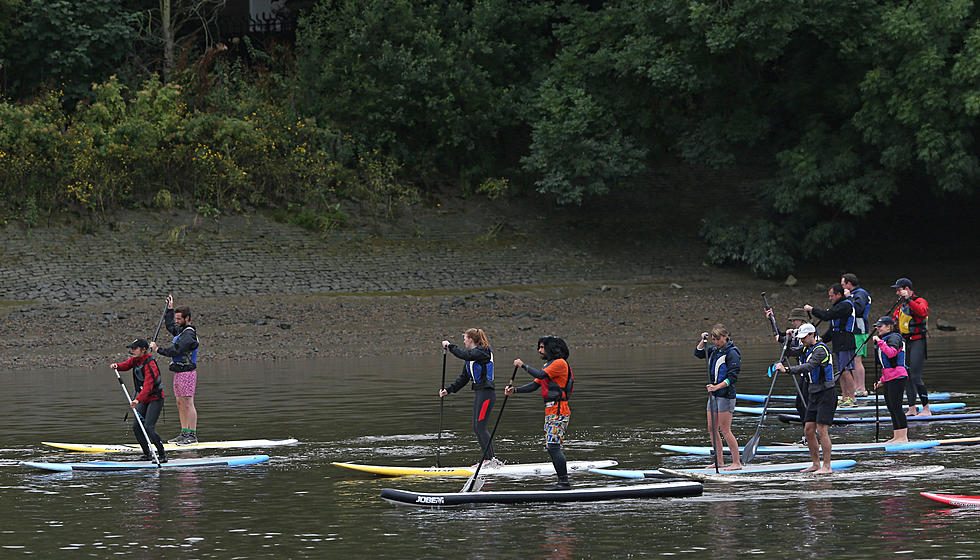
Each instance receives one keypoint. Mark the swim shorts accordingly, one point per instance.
(184, 383)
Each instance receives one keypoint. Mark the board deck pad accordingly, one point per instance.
(516, 469)
(231, 461)
(746, 469)
(593, 494)
(135, 448)
(762, 398)
(795, 418)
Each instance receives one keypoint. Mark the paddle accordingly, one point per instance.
(772, 316)
(160, 324)
(139, 420)
(877, 414)
(441, 402)
(712, 409)
(749, 451)
(471, 482)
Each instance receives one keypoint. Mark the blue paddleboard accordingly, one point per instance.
(762, 398)
(746, 469)
(234, 461)
(757, 410)
(838, 447)
(791, 418)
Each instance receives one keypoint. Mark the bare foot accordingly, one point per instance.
(823, 470)
(733, 468)
(925, 411)
(810, 469)
(912, 411)
(893, 440)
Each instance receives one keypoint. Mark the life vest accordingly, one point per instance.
(183, 359)
(908, 325)
(823, 373)
(139, 377)
(862, 321)
(480, 373)
(898, 360)
(718, 370)
(846, 324)
(551, 391)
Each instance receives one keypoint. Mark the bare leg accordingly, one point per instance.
(187, 412)
(847, 384)
(725, 427)
(810, 431)
(859, 376)
(823, 433)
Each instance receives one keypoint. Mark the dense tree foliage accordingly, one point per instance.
(850, 107)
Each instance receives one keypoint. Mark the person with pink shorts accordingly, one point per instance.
(183, 362)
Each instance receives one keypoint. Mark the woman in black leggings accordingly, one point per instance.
(478, 369)
(891, 355)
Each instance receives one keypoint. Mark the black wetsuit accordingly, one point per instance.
(479, 370)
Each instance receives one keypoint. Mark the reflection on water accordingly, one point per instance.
(626, 405)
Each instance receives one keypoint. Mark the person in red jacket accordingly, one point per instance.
(911, 318)
(148, 401)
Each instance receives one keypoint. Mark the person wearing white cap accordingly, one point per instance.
(818, 367)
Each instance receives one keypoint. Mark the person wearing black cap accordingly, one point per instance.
(911, 318)
(148, 399)
(555, 379)
(891, 355)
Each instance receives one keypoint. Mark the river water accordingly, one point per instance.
(384, 411)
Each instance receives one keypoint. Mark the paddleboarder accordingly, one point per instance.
(183, 362)
(724, 361)
(478, 369)
(862, 327)
(555, 379)
(841, 316)
(148, 399)
(818, 366)
(894, 376)
(911, 317)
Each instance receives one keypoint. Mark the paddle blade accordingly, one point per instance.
(748, 453)
(473, 484)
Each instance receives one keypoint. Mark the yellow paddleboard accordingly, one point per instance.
(135, 448)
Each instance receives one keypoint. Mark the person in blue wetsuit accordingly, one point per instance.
(818, 366)
(478, 369)
(724, 362)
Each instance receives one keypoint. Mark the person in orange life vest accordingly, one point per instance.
(890, 353)
(862, 327)
(555, 380)
(724, 363)
(842, 318)
(183, 362)
(911, 318)
(478, 369)
(148, 399)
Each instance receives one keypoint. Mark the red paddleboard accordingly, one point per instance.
(954, 499)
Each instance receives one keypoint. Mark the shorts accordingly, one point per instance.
(184, 383)
(721, 404)
(860, 339)
(821, 407)
(554, 428)
(844, 360)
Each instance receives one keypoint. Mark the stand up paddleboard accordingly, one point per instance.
(757, 410)
(838, 447)
(954, 499)
(517, 469)
(144, 465)
(746, 469)
(135, 448)
(795, 418)
(595, 494)
(808, 477)
(762, 398)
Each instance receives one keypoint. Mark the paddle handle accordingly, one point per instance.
(160, 323)
(772, 316)
(139, 419)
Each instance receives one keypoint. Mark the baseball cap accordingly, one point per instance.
(902, 283)
(138, 343)
(804, 330)
(886, 320)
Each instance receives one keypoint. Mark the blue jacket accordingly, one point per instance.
(723, 363)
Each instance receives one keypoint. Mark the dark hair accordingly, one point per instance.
(850, 278)
(185, 312)
(837, 289)
(554, 347)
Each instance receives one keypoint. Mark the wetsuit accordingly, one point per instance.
(479, 370)
(891, 356)
(552, 379)
(915, 345)
(149, 392)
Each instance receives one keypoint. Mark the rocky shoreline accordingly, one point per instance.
(265, 290)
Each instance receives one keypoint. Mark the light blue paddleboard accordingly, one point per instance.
(746, 469)
(762, 398)
(838, 447)
(233, 461)
(757, 410)
(971, 416)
